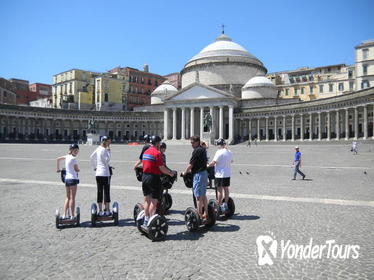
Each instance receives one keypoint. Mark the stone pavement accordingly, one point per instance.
(337, 202)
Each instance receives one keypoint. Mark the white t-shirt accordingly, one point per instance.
(70, 161)
(100, 160)
(223, 159)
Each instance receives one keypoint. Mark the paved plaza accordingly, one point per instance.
(335, 202)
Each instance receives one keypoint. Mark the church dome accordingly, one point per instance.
(222, 64)
(223, 46)
(163, 91)
(259, 87)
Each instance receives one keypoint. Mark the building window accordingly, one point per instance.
(286, 92)
(365, 84)
(156, 83)
(106, 97)
(364, 69)
(331, 87)
(311, 90)
(302, 90)
(365, 53)
(296, 93)
(350, 74)
(341, 86)
(350, 85)
(320, 88)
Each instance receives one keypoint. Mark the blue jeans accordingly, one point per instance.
(297, 170)
(200, 180)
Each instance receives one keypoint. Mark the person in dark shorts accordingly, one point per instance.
(71, 178)
(222, 164)
(153, 166)
(198, 168)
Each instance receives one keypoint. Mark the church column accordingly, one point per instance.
(319, 126)
(373, 121)
(192, 111)
(166, 124)
(301, 127)
(346, 124)
(284, 128)
(249, 129)
(356, 123)
(275, 129)
(328, 126)
(258, 129)
(267, 128)
(337, 125)
(174, 123)
(221, 122)
(310, 126)
(365, 122)
(293, 128)
(201, 122)
(183, 132)
(231, 123)
(212, 129)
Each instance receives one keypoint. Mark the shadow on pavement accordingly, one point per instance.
(244, 217)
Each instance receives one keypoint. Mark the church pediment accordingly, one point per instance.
(200, 92)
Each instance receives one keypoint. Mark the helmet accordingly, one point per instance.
(163, 145)
(155, 139)
(221, 142)
(104, 138)
(146, 138)
(73, 146)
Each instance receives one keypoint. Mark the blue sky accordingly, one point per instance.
(43, 38)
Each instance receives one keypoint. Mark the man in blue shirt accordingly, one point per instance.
(297, 164)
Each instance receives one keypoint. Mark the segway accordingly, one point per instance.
(157, 225)
(230, 204)
(68, 221)
(191, 216)
(96, 218)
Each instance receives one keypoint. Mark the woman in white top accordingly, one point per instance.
(71, 178)
(100, 163)
(222, 164)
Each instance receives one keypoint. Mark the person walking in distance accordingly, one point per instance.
(297, 164)
(100, 163)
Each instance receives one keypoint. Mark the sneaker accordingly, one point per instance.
(303, 177)
(108, 213)
(222, 207)
(101, 213)
(226, 207)
(293, 179)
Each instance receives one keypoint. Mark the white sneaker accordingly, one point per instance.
(222, 208)
(108, 213)
(225, 206)
(101, 213)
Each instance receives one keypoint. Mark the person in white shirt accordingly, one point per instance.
(100, 163)
(222, 164)
(71, 177)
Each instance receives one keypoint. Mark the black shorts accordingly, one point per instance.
(151, 185)
(222, 182)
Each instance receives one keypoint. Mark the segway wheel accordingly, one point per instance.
(138, 207)
(191, 219)
(231, 206)
(158, 228)
(212, 215)
(167, 201)
(57, 219)
(93, 214)
(78, 215)
(115, 213)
